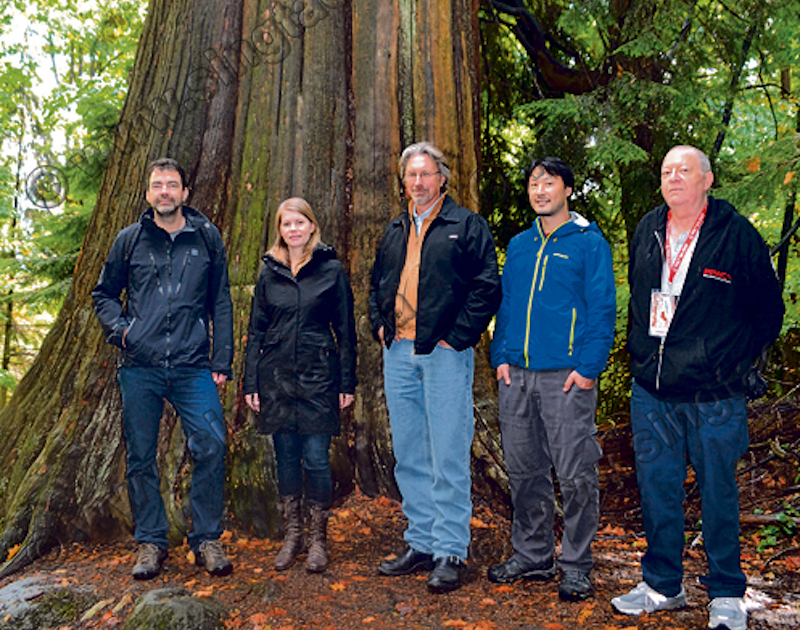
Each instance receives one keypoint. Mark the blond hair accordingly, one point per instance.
(280, 250)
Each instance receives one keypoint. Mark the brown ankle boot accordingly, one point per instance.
(293, 544)
(317, 560)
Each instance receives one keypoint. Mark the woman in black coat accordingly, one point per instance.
(300, 370)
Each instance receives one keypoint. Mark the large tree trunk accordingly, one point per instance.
(259, 101)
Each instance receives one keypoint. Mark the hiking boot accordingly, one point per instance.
(644, 599)
(727, 612)
(513, 569)
(317, 560)
(293, 543)
(149, 559)
(211, 555)
(575, 586)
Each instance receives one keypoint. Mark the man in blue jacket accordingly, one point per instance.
(705, 305)
(434, 290)
(173, 267)
(553, 334)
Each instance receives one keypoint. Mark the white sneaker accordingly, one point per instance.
(644, 599)
(727, 612)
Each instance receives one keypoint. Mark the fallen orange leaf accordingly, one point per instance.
(258, 618)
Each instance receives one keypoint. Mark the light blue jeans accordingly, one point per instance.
(429, 397)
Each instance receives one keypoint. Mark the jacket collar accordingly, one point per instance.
(719, 211)
(193, 219)
(446, 213)
(577, 223)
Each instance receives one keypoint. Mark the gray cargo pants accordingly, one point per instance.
(544, 428)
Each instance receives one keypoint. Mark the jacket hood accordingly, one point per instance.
(577, 223)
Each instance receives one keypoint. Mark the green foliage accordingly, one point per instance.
(63, 78)
(785, 528)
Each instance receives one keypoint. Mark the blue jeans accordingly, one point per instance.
(713, 435)
(298, 452)
(429, 397)
(193, 394)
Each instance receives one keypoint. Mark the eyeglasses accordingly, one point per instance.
(170, 186)
(410, 177)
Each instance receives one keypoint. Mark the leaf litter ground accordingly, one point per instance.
(363, 531)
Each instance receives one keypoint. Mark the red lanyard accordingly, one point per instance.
(674, 266)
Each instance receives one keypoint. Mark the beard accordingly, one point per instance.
(167, 210)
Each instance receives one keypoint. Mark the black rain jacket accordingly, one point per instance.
(729, 312)
(176, 291)
(301, 344)
(459, 286)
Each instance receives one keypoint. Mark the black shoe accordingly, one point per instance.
(410, 561)
(447, 575)
(575, 586)
(149, 559)
(512, 570)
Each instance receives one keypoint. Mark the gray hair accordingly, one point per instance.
(425, 148)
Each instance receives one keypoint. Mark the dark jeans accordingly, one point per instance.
(193, 394)
(713, 436)
(298, 452)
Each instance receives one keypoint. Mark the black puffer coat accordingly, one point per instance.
(301, 345)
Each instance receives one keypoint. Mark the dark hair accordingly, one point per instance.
(552, 166)
(167, 164)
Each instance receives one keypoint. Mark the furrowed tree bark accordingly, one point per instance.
(259, 100)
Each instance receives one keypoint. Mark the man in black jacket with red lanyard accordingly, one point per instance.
(172, 265)
(705, 305)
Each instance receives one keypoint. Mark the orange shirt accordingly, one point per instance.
(405, 309)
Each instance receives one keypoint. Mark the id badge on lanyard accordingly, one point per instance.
(662, 310)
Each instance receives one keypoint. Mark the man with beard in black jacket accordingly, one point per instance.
(172, 264)
(705, 305)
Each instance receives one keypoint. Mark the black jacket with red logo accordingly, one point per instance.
(729, 312)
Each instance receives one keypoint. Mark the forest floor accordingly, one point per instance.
(363, 531)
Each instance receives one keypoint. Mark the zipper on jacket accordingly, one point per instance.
(183, 270)
(572, 330)
(544, 271)
(155, 273)
(664, 338)
(530, 303)
(168, 334)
